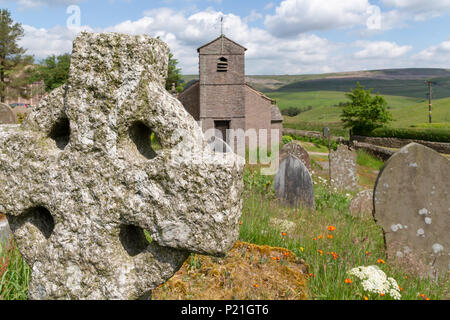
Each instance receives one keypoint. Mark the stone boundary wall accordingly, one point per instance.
(441, 147)
(379, 152)
(309, 134)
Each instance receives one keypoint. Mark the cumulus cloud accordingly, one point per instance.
(267, 53)
(184, 33)
(438, 55)
(42, 42)
(380, 50)
(419, 9)
(38, 3)
(293, 17)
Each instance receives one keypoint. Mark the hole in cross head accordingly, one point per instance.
(133, 239)
(60, 132)
(39, 217)
(142, 137)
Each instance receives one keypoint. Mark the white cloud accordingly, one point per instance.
(380, 50)
(38, 3)
(420, 9)
(293, 17)
(42, 42)
(438, 55)
(267, 54)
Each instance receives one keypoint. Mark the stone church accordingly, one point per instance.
(222, 99)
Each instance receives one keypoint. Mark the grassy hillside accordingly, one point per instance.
(404, 90)
(329, 99)
(407, 88)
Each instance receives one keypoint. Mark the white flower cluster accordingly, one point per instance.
(375, 280)
(321, 180)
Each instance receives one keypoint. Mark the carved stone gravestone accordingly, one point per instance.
(343, 168)
(81, 182)
(362, 204)
(6, 115)
(293, 183)
(412, 205)
(295, 149)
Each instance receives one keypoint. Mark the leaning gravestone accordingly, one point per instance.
(7, 116)
(412, 205)
(362, 204)
(81, 182)
(295, 149)
(343, 168)
(293, 183)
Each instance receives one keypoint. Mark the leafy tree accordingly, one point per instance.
(365, 112)
(54, 70)
(174, 75)
(15, 66)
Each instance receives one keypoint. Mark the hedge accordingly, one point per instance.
(426, 134)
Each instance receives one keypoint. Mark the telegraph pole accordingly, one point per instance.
(430, 83)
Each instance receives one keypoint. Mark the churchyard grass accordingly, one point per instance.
(329, 254)
(14, 274)
(329, 240)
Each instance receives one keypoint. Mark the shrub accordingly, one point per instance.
(426, 134)
(364, 112)
(287, 139)
(294, 111)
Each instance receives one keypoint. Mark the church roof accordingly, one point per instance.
(221, 36)
(275, 113)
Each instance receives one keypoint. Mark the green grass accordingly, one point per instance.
(415, 88)
(406, 111)
(356, 241)
(366, 160)
(14, 274)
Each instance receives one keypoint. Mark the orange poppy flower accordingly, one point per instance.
(256, 285)
(283, 234)
(348, 281)
(330, 236)
(365, 298)
(331, 228)
(381, 261)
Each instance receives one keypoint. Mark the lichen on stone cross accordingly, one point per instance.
(80, 180)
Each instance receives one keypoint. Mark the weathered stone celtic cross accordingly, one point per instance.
(80, 181)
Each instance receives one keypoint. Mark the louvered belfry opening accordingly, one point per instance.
(222, 65)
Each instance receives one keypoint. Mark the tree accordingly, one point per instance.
(15, 66)
(54, 70)
(174, 75)
(365, 112)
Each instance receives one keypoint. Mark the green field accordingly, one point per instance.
(404, 90)
(406, 111)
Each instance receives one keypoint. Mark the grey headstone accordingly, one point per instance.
(362, 204)
(293, 183)
(343, 169)
(7, 115)
(326, 132)
(412, 205)
(295, 149)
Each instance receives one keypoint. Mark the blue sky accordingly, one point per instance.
(282, 37)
